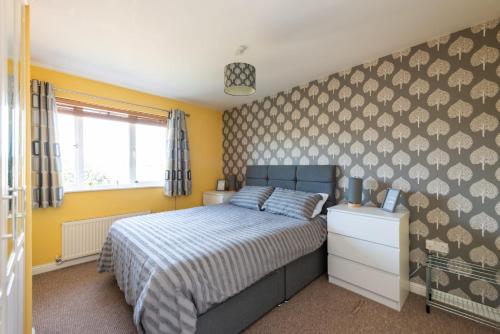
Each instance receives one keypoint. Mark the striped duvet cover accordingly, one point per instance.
(174, 266)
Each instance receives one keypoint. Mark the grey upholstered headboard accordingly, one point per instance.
(317, 179)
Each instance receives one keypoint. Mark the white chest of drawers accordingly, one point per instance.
(368, 252)
(217, 197)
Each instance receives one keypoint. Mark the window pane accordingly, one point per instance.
(106, 152)
(66, 127)
(150, 152)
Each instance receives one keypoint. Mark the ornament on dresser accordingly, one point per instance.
(355, 192)
(221, 185)
(391, 199)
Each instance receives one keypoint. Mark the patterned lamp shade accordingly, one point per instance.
(239, 79)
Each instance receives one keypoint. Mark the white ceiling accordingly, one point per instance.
(178, 49)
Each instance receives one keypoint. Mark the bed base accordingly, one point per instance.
(243, 309)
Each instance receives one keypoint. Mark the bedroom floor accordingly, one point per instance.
(79, 300)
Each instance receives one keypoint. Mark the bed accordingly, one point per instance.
(217, 269)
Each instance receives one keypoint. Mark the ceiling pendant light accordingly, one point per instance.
(239, 77)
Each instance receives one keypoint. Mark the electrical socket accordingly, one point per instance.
(437, 246)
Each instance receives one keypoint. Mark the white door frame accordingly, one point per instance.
(12, 166)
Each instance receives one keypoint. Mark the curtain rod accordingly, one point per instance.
(95, 97)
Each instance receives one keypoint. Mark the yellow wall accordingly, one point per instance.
(205, 136)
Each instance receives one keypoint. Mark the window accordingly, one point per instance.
(102, 148)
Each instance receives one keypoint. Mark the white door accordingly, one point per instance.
(12, 167)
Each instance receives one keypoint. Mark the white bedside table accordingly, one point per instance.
(217, 197)
(368, 252)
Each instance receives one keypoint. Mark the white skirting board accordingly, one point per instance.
(44, 268)
(418, 289)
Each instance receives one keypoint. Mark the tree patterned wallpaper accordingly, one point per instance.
(424, 119)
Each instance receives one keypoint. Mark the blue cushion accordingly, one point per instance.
(292, 203)
(251, 197)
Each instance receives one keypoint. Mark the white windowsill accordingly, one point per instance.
(79, 189)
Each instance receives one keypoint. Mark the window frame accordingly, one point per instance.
(79, 150)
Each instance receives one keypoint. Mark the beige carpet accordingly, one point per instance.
(79, 300)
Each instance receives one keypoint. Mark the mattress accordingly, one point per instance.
(173, 266)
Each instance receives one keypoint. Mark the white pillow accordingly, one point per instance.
(319, 206)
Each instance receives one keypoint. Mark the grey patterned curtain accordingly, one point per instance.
(46, 174)
(178, 171)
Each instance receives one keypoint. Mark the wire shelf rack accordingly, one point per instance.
(463, 307)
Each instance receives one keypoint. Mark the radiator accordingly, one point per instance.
(86, 237)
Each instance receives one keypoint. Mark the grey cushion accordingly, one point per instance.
(292, 203)
(318, 179)
(251, 197)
